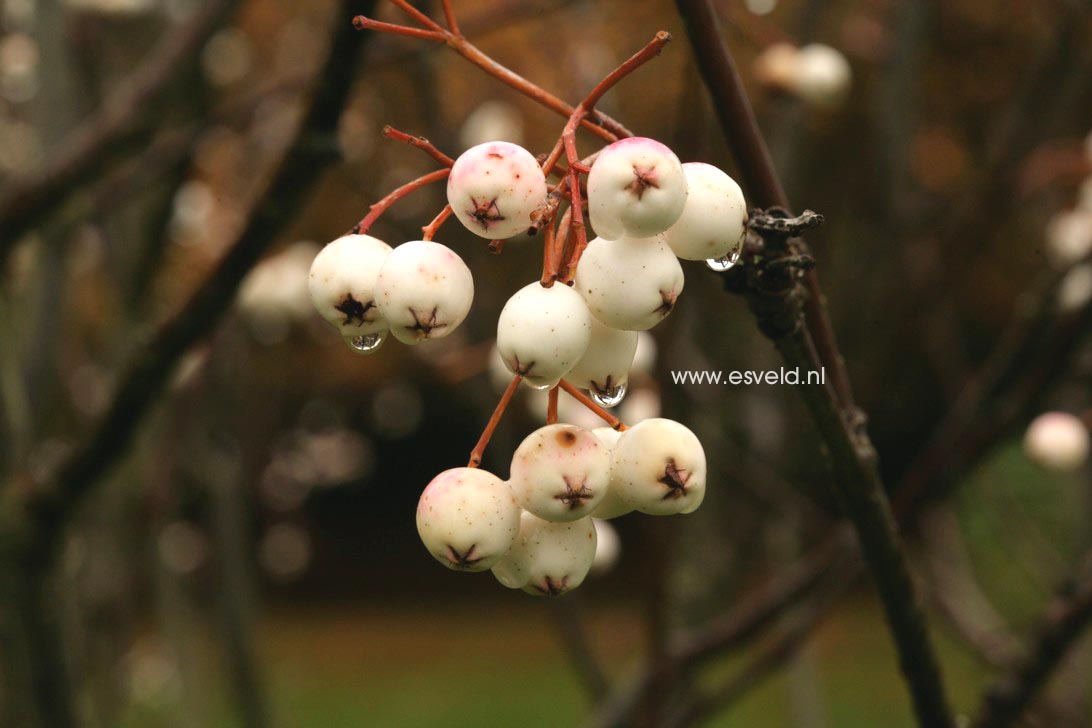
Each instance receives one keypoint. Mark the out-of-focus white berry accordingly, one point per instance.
(1084, 195)
(1075, 290)
(1069, 237)
(499, 376)
(778, 66)
(342, 284)
(424, 291)
(1057, 440)
(548, 559)
(491, 121)
(644, 359)
(659, 468)
(636, 187)
(604, 368)
(607, 549)
(467, 518)
(640, 405)
(494, 187)
(611, 506)
(560, 472)
(714, 220)
(823, 75)
(542, 332)
(630, 284)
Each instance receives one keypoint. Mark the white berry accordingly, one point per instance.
(611, 506)
(560, 472)
(547, 558)
(636, 187)
(608, 547)
(714, 220)
(424, 291)
(342, 283)
(542, 332)
(659, 468)
(823, 75)
(467, 518)
(494, 187)
(629, 283)
(1057, 440)
(605, 365)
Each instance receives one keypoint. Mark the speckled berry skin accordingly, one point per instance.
(636, 187)
(611, 506)
(560, 472)
(714, 219)
(629, 284)
(659, 468)
(424, 290)
(467, 518)
(542, 332)
(342, 284)
(607, 361)
(548, 559)
(494, 187)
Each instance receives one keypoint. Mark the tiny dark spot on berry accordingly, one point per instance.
(566, 438)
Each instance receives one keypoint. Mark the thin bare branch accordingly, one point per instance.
(125, 120)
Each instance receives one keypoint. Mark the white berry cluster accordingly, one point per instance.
(536, 530)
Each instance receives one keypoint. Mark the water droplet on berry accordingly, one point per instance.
(722, 264)
(366, 343)
(539, 387)
(609, 397)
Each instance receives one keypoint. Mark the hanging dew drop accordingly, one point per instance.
(609, 397)
(722, 264)
(366, 343)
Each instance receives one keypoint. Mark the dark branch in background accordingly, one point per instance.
(789, 640)
(126, 120)
(1030, 356)
(50, 506)
(755, 165)
(956, 593)
(755, 613)
(781, 301)
(566, 614)
(1059, 627)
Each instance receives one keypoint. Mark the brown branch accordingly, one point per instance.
(48, 509)
(428, 232)
(1060, 626)
(756, 167)
(120, 126)
(790, 311)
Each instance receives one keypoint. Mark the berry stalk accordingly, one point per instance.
(377, 210)
(494, 420)
(588, 402)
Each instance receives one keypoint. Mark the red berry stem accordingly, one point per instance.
(487, 433)
(551, 407)
(376, 210)
(588, 402)
(420, 142)
(428, 231)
